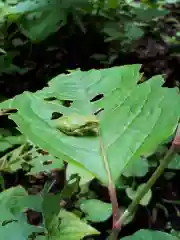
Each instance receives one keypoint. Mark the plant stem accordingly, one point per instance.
(164, 163)
(114, 235)
(112, 191)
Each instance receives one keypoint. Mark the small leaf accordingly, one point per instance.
(149, 235)
(96, 210)
(132, 194)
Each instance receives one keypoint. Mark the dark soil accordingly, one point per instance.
(70, 49)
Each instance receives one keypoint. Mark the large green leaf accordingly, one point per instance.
(135, 119)
(150, 235)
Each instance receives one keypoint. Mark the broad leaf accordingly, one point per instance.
(133, 122)
(150, 235)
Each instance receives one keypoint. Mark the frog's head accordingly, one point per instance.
(91, 126)
(91, 121)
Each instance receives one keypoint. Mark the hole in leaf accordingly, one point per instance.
(8, 111)
(4, 223)
(56, 115)
(67, 103)
(98, 111)
(97, 97)
(50, 99)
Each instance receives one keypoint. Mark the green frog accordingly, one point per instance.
(78, 125)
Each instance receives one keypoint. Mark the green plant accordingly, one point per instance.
(124, 135)
(38, 19)
(127, 22)
(119, 20)
(121, 23)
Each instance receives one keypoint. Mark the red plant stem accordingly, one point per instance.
(115, 207)
(111, 187)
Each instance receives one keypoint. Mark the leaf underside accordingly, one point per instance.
(134, 120)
